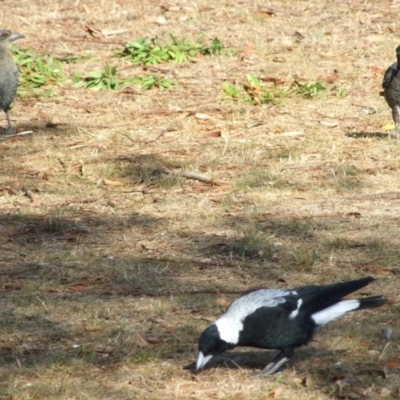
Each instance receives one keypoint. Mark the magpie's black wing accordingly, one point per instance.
(272, 327)
(390, 74)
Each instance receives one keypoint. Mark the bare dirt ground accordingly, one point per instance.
(112, 265)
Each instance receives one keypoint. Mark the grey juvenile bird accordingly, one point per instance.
(8, 73)
(391, 89)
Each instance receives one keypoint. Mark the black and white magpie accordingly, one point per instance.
(280, 319)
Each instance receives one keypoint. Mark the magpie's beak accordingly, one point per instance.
(16, 36)
(202, 361)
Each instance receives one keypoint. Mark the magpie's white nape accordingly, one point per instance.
(280, 319)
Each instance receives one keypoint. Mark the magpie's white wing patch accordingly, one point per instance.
(295, 312)
(231, 323)
(250, 302)
(336, 311)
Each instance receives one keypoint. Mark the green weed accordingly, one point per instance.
(151, 81)
(309, 90)
(149, 52)
(109, 80)
(37, 70)
(254, 93)
(341, 92)
(102, 80)
(231, 91)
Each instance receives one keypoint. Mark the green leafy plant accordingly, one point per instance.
(261, 95)
(309, 90)
(144, 51)
(341, 92)
(37, 70)
(231, 91)
(147, 51)
(151, 81)
(102, 80)
(216, 47)
(109, 80)
(254, 93)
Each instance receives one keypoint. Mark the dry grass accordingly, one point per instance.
(112, 267)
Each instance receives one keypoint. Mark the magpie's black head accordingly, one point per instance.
(210, 344)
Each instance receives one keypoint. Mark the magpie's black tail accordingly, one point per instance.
(318, 298)
(369, 302)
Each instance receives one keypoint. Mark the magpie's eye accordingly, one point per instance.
(4, 34)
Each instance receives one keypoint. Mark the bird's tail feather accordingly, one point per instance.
(341, 308)
(319, 298)
(369, 302)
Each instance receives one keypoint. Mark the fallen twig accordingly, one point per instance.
(376, 196)
(28, 193)
(304, 166)
(198, 177)
(5, 137)
(307, 216)
(160, 135)
(78, 201)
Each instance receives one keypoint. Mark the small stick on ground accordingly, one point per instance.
(25, 133)
(158, 137)
(376, 196)
(161, 134)
(198, 177)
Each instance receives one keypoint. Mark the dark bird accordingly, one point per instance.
(8, 73)
(280, 319)
(391, 89)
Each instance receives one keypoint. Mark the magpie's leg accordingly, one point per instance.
(395, 114)
(9, 130)
(277, 362)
